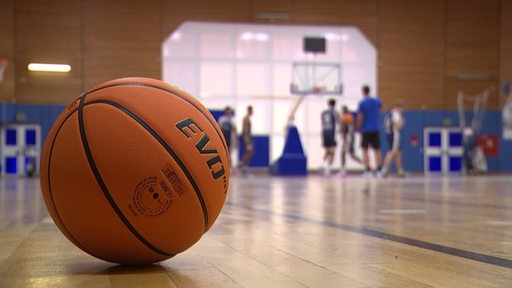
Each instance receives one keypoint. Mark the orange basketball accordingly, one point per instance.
(134, 171)
(347, 118)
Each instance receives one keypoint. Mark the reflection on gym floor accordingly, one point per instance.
(293, 232)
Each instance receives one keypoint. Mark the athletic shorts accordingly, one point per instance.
(394, 140)
(227, 136)
(371, 139)
(328, 139)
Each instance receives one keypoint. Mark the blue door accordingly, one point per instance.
(443, 150)
(20, 149)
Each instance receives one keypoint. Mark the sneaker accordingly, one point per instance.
(367, 174)
(401, 174)
(341, 174)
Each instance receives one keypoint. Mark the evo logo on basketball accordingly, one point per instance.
(189, 128)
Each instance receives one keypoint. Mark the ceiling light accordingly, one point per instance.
(47, 67)
(256, 36)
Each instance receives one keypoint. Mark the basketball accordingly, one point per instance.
(347, 118)
(134, 171)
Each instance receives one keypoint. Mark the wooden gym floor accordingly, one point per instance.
(294, 232)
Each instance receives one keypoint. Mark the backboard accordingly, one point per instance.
(316, 78)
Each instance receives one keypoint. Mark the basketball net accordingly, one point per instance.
(479, 102)
(507, 105)
(3, 67)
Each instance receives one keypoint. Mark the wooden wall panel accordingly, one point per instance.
(177, 11)
(120, 39)
(272, 11)
(505, 62)
(362, 14)
(472, 41)
(6, 49)
(46, 31)
(422, 45)
(411, 53)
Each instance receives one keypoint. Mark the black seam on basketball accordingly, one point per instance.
(221, 136)
(104, 187)
(69, 234)
(169, 150)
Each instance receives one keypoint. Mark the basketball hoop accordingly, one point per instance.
(479, 102)
(3, 67)
(318, 89)
(314, 78)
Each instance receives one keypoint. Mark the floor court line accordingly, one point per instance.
(493, 260)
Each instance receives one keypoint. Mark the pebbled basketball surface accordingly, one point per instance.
(135, 171)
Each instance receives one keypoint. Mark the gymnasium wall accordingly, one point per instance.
(413, 155)
(428, 50)
(417, 120)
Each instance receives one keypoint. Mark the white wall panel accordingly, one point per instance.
(257, 84)
(250, 64)
(217, 79)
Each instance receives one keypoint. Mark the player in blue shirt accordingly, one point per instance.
(368, 123)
